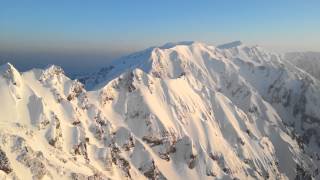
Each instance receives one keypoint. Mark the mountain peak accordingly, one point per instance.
(6, 66)
(180, 43)
(51, 71)
(54, 69)
(188, 112)
(230, 45)
(9, 72)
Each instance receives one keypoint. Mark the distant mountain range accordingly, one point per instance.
(307, 61)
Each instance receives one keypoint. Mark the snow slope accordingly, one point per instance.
(179, 111)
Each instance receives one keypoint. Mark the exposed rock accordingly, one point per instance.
(4, 162)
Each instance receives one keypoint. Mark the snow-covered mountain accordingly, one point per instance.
(307, 61)
(179, 111)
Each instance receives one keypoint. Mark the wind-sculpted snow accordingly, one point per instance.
(179, 111)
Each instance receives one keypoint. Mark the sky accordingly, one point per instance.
(83, 35)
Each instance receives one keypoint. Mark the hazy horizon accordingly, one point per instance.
(82, 36)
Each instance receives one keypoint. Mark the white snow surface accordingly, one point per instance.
(183, 110)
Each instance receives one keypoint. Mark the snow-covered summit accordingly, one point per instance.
(168, 60)
(9, 71)
(11, 75)
(51, 71)
(179, 111)
(181, 43)
(230, 45)
(6, 66)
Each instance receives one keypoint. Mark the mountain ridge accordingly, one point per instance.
(182, 111)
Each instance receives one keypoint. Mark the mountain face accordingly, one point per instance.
(179, 111)
(307, 61)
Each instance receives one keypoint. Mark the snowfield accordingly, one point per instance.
(183, 110)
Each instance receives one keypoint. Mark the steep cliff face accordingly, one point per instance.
(179, 111)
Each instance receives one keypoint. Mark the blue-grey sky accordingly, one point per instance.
(82, 35)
